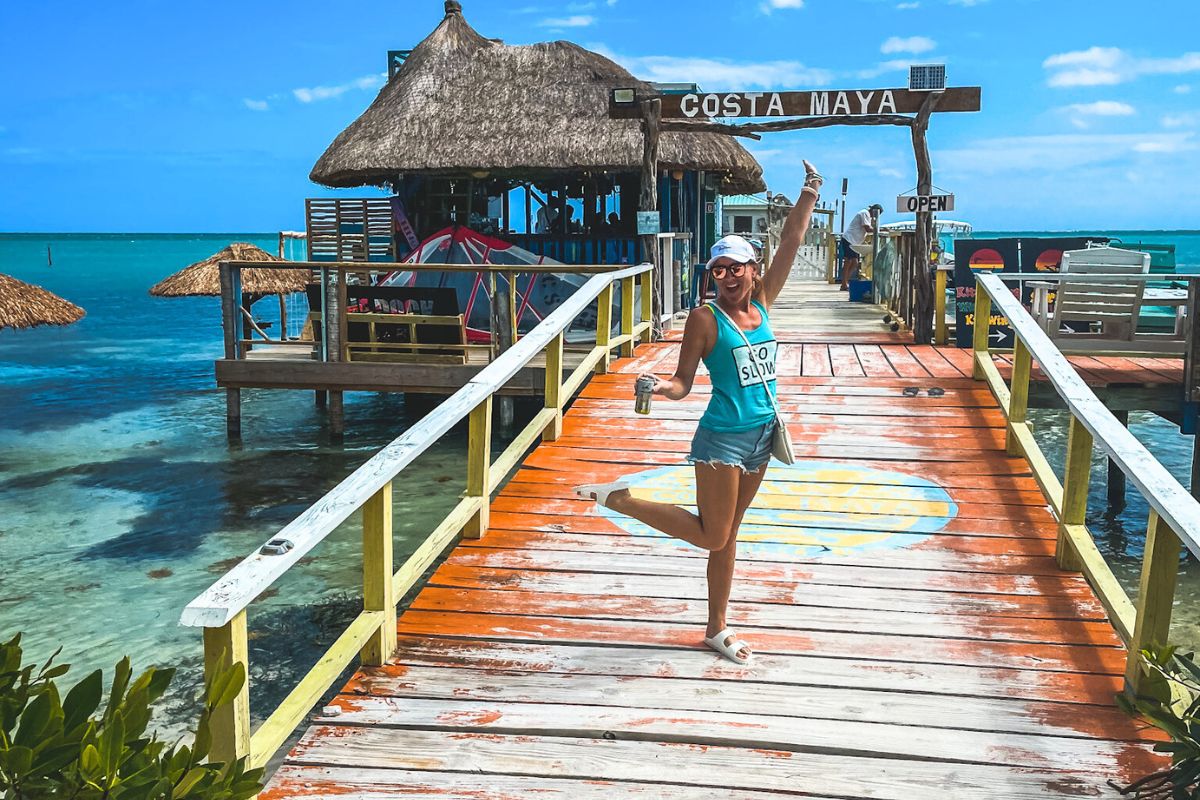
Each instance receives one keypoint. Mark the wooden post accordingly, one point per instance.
(503, 332)
(980, 342)
(377, 575)
(337, 416)
(627, 302)
(648, 201)
(479, 462)
(1018, 402)
(647, 284)
(320, 398)
(224, 647)
(939, 309)
(1160, 566)
(553, 387)
(923, 306)
(230, 321)
(1076, 478)
(1116, 476)
(604, 326)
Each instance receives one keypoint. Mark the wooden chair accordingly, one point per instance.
(1105, 310)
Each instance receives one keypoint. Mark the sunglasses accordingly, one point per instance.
(719, 270)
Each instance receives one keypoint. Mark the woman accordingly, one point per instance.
(733, 442)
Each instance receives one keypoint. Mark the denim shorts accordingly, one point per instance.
(749, 449)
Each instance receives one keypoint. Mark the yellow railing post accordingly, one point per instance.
(981, 345)
(377, 575)
(1076, 478)
(627, 302)
(553, 387)
(479, 462)
(224, 647)
(831, 258)
(1018, 403)
(1160, 566)
(647, 280)
(939, 308)
(604, 326)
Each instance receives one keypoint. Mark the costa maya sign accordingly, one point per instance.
(831, 103)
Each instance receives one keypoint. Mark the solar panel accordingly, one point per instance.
(927, 77)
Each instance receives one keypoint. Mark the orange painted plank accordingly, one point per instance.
(933, 649)
(816, 360)
(938, 367)
(844, 360)
(874, 363)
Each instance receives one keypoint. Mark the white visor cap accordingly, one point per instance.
(734, 247)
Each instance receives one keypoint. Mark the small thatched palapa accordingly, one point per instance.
(23, 305)
(204, 277)
(462, 103)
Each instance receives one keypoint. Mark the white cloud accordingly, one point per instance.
(610, 3)
(315, 93)
(907, 6)
(912, 44)
(1182, 88)
(895, 65)
(1102, 108)
(1184, 120)
(720, 74)
(967, 3)
(573, 21)
(255, 105)
(1108, 66)
(771, 5)
(573, 7)
(1057, 152)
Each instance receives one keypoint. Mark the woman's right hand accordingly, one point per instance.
(660, 386)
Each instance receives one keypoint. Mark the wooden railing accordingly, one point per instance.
(221, 610)
(1174, 514)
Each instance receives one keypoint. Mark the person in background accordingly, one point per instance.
(864, 222)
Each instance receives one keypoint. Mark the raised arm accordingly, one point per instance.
(794, 229)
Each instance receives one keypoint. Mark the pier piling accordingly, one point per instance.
(337, 418)
(1116, 476)
(233, 413)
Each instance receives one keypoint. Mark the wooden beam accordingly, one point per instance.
(1156, 596)
(845, 104)
(377, 575)
(751, 130)
(225, 646)
(1076, 478)
(479, 465)
(648, 200)
(922, 317)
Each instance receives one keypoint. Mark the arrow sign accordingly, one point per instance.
(997, 335)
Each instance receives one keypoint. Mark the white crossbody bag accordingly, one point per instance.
(781, 441)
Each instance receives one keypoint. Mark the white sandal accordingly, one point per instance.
(600, 491)
(730, 651)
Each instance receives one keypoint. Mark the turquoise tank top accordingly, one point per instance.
(739, 402)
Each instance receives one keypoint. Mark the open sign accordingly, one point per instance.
(924, 202)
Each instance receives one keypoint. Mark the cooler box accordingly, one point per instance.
(860, 291)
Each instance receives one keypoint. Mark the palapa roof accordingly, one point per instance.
(462, 103)
(204, 277)
(23, 305)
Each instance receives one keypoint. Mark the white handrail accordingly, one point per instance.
(1174, 504)
(1091, 277)
(239, 586)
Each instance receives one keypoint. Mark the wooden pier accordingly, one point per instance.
(928, 616)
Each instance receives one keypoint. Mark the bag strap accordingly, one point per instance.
(750, 349)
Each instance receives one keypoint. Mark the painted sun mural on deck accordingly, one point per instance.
(822, 508)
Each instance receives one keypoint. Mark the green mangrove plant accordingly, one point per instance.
(1178, 715)
(55, 746)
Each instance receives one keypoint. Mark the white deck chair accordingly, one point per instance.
(1110, 308)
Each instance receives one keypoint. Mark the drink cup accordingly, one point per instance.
(644, 390)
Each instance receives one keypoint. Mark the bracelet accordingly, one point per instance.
(810, 190)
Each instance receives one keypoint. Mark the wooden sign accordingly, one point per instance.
(831, 103)
(914, 204)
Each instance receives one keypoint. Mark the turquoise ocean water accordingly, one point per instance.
(120, 499)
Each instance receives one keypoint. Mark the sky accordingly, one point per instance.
(186, 116)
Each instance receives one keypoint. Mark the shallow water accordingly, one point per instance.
(120, 499)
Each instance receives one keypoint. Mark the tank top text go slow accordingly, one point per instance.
(739, 402)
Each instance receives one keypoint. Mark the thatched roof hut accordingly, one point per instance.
(23, 305)
(204, 277)
(462, 103)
